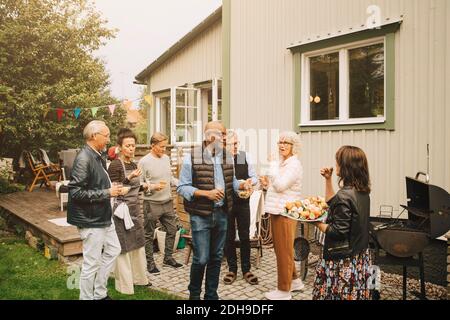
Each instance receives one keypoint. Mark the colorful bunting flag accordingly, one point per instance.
(126, 104)
(112, 108)
(59, 113)
(76, 112)
(94, 111)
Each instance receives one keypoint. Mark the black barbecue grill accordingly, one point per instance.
(428, 209)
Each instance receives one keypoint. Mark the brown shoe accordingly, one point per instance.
(251, 278)
(229, 278)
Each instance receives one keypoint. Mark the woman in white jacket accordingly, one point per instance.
(284, 184)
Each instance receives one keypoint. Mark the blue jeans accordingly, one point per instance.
(208, 240)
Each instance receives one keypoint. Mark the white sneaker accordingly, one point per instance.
(278, 295)
(297, 285)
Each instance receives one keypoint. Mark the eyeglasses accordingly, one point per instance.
(105, 135)
(281, 143)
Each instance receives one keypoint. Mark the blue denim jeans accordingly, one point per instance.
(208, 239)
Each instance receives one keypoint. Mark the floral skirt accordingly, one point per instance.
(344, 279)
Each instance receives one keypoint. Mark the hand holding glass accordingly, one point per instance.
(116, 189)
(264, 181)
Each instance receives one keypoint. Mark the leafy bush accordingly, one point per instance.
(7, 187)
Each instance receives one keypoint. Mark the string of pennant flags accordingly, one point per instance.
(76, 112)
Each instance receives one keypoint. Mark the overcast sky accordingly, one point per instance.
(147, 28)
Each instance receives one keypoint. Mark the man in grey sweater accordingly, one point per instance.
(158, 204)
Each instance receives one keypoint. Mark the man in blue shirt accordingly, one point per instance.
(207, 183)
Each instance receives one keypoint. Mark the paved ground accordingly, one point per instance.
(176, 281)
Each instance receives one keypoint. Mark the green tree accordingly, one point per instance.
(46, 61)
(141, 129)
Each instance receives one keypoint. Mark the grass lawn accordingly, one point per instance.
(26, 274)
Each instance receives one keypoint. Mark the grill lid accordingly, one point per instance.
(431, 201)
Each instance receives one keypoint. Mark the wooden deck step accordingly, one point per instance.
(33, 210)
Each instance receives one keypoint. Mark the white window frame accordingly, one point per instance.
(344, 85)
(215, 95)
(171, 93)
(173, 106)
(215, 99)
(158, 112)
(158, 98)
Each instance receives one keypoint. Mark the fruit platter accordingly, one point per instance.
(311, 209)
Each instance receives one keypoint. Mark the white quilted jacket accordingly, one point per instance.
(285, 185)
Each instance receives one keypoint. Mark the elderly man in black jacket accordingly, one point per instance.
(89, 208)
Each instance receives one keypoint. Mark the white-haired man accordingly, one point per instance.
(89, 208)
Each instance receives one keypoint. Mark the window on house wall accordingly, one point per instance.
(219, 100)
(210, 105)
(165, 122)
(344, 85)
(180, 111)
(215, 101)
(186, 119)
(366, 69)
(324, 87)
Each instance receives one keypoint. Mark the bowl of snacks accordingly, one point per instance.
(244, 194)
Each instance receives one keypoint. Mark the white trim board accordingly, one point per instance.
(340, 33)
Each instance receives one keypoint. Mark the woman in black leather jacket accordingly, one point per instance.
(344, 270)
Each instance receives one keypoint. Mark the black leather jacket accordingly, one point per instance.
(89, 203)
(349, 213)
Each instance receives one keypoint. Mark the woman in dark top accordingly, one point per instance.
(131, 265)
(345, 268)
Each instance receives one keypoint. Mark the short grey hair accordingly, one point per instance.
(294, 138)
(211, 129)
(158, 137)
(92, 128)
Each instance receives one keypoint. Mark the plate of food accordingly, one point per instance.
(311, 209)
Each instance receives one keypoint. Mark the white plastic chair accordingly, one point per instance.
(63, 197)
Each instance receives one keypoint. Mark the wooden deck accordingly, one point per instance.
(33, 210)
